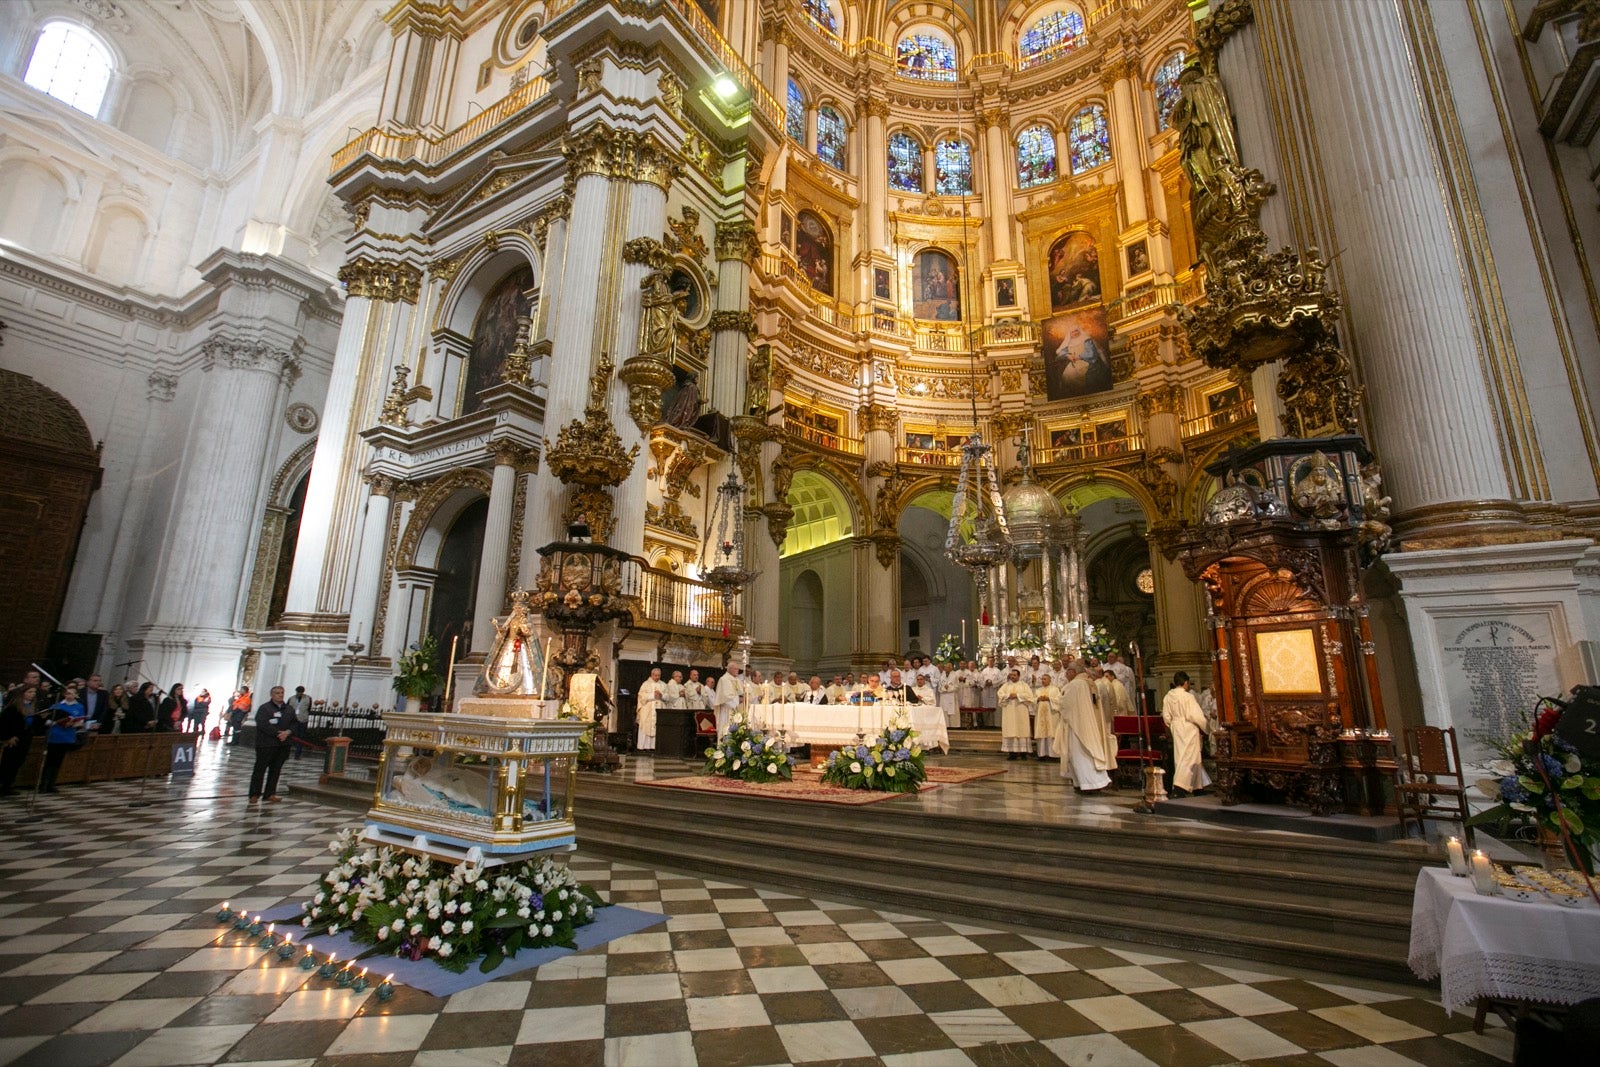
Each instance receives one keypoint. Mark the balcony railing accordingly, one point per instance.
(1117, 446)
(1215, 420)
(837, 442)
(760, 99)
(930, 457)
(429, 150)
(673, 601)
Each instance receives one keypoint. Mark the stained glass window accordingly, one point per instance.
(952, 167)
(822, 16)
(923, 55)
(832, 137)
(1036, 157)
(1088, 139)
(1057, 32)
(794, 121)
(905, 163)
(1166, 83)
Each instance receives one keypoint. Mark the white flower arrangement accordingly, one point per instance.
(749, 753)
(891, 762)
(412, 906)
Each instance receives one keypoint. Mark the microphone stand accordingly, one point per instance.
(1147, 803)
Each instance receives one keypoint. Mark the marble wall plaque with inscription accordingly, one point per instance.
(1496, 668)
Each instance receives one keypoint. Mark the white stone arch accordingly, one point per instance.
(942, 18)
(477, 277)
(119, 242)
(824, 510)
(36, 194)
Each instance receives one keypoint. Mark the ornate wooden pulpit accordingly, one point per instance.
(1280, 553)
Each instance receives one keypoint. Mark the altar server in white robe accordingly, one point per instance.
(1186, 722)
(1106, 703)
(1016, 705)
(729, 696)
(835, 691)
(1047, 713)
(1121, 671)
(651, 694)
(797, 688)
(946, 687)
(969, 692)
(674, 696)
(695, 695)
(1080, 735)
(990, 679)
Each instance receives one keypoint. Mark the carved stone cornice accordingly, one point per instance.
(1160, 399)
(778, 514)
(741, 321)
(874, 107)
(236, 354)
(647, 375)
(647, 251)
(381, 279)
(737, 240)
(621, 155)
(878, 417)
(559, 207)
(886, 545)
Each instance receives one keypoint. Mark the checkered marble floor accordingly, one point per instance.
(109, 955)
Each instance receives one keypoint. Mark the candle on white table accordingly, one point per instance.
(1456, 857)
(1482, 873)
(858, 716)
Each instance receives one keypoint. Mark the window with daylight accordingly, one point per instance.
(832, 138)
(822, 16)
(794, 122)
(924, 55)
(1058, 32)
(1036, 157)
(905, 163)
(1088, 139)
(952, 166)
(72, 65)
(1166, 83)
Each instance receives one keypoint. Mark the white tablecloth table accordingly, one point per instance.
(1501, 948)
(835, 724)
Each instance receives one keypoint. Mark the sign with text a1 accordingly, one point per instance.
(183, 760)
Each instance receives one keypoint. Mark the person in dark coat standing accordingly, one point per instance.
(274, 728)
(174, 709)
(96, 704)
(141, 717)
(16, 734)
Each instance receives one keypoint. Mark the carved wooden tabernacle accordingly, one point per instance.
(1280, 555)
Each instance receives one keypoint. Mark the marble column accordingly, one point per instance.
(997, 183)
(874, 171)
(880, 582)
(369, 563)
(1128, 141)
(491, 600)
(1427, 393)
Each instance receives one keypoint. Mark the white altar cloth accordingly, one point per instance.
(835, 724)
(1501, 948)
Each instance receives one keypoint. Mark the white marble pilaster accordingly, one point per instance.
(369, 565)
(496, 550)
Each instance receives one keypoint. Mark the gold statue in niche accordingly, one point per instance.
(1205, 134)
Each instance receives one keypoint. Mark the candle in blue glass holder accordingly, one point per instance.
(386, 988)
(329, 969)
(286, 948)
(241, 921)
(223, 914)
(309, 960)
(359, 983)
(343, 977)
(256, 926)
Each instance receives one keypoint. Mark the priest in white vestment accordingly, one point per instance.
(836, 691)
(1080, 735)
(674, 696)
(695, 696)
(1047, 702)
(1106, 703)
(946, 687)
(1121, 671)
(990, 679)
(651, 695)
(1186, 722)
(923, 692)
(815, 692)
(729, 697)
(1016, 704)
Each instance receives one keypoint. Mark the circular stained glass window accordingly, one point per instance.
(1146, 581)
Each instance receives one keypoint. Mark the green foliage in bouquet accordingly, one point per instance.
(1027, 641)
(419, 674)
(412, 906)
(948, 650)
(1097, 642)
(586, 742)
(1521, 792)
(892, 762)
(750, 754)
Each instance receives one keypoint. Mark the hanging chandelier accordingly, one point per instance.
(723, 551)
(978, 538)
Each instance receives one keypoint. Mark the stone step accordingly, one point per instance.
(1013, 873)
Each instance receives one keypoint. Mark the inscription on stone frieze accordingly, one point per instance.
(1496, 669)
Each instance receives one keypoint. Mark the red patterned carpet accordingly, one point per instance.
(808, 786)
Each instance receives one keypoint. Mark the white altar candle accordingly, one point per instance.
(858, 715)
(1457, 858)
(1482, 874)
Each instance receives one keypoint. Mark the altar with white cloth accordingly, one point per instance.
(837, 724)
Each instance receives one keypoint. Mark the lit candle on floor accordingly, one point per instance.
(386, 988)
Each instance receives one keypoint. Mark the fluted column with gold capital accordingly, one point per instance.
(369, 563)
(875, 173)
(1127, 139)
(997, 184)
(878, 571)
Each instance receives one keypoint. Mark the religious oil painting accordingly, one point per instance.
(493, 333)
(813, 250)
(1077, 354)
(1287, 662)
(1138, 258)
(936, 287)
(1005, 292)
(1223, 405)
(786, 230)
(1074, 262)
(880, 283)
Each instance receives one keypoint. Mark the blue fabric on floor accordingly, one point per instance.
(425, 974)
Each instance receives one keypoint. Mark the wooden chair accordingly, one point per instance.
(1132, 753)
(1430, 784)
